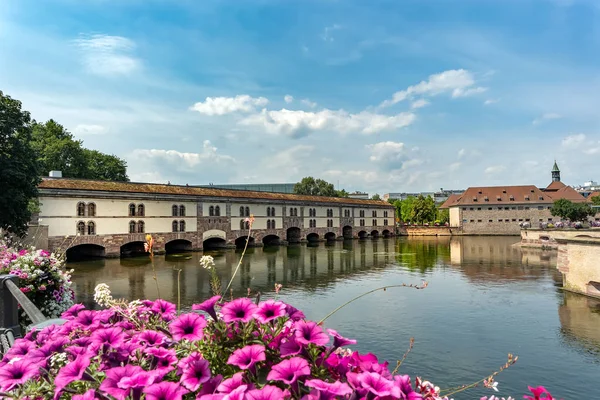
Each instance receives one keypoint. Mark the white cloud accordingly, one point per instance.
(461, 92)
(461, 153)
(226, 105)
(84, 130)
(309, 103)
(458, 81)
(490, 101)
(393, 155)
(183, 161)
(593, 150)
(546, 117)
(326, 35)
(573, 140)
(419, 103)
(108, 55)
(454, 166)
(288, 98)
(298, 123)
(495, 169)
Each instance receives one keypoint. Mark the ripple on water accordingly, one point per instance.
(485, 299)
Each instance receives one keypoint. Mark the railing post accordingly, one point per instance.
(9, 307)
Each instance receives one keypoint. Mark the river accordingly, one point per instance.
(486, 297)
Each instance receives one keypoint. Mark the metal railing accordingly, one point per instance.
(11, 298)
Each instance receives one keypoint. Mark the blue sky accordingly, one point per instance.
(380, 96)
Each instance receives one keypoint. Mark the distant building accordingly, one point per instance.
(498, 210)
(439, 197)
(255, 187)
(588, 188)
(359, 195)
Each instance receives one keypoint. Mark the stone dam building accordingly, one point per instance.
(110, 219)
(498, 210)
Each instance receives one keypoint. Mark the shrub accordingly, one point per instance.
(42, 277)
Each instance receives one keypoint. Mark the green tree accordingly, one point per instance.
(342, 193)
(443, 215)
(406, 209)
(398, 206)
(315, 187)
(376, 196)
(574, 212)
(424, 209)
(596, 200)
(19, 175)
(105, 167)
(56, 149)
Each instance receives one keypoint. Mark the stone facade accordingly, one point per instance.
(501, 220)
(205, 221)
(426, 231)
(547, 238)
(578, 262)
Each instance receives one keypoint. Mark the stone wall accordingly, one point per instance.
(546, 238)
(578, 262)
(483, 221)
(427, 231)
(111, 244)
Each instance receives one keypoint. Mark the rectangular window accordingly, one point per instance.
(478, 220)
(500, 220)
(472, 220)
(507, 220)
(520, 208)
(500, 208)
(520, 219)
(491, 220)
(549, 219)
(478, 208)
(527, 219)
(540, 220)
(540, 207)
(507, 208)
(515, 220)
(489, 208)
(471, 209)
(527, 208)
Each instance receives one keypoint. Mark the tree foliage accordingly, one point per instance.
(315, 187)
(57, 150)
(420, 210)
(376, 196)
(19, 175)
(574, 212)
(342, 193)
(596, 200)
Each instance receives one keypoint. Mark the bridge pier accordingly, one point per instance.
(578, 263)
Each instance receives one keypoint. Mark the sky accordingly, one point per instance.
(377, 96)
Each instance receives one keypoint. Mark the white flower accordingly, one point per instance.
(102, 295)
(494, 386)
(14, 360)
(207, 262)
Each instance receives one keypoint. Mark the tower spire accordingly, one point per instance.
(555, 173)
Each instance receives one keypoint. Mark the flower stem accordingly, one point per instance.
(384, 288)
(241, 258)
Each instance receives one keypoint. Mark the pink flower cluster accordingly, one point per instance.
(42, 277)
(235, 350)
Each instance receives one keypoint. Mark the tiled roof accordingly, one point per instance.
(152, 188)
(453, 198)
(554, 186)
(491, 195)
(567, 192)
(593, 194)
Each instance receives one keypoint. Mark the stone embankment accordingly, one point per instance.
(547, 238)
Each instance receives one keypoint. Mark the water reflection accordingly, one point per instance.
(487, 297)
(580, 322)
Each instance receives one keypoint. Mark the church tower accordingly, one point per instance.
(555, 173)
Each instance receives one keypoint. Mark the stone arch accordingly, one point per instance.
(362, 235)
(214, 243)
(271, 240)
(347, 232)
(240, 242)
(178, 246)
(386, 233)
(329, 236)
(374, 234)
(132, 249)
(312, 237)
(293, 234)
(85, 251)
